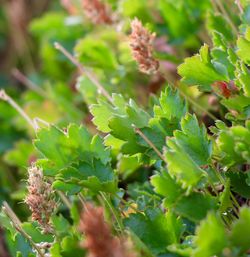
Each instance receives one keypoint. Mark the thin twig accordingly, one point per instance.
(28, 83)
(214, 6)
(64, 199)
(190, 100)
(113, 210)
(149, 142)
(83, 70)
(18, 226)
(226, 15)
(238, 3)
(83, 201)
(4, 96)
(221, 179)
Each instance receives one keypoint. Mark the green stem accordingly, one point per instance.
(226, 15)
(113, 211)
(190, 100)
(17, 225)
(221, 179)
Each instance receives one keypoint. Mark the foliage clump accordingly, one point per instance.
(134, 132)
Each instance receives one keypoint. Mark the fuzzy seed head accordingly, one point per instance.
(97, 12)
(40, 198)
(141, 43)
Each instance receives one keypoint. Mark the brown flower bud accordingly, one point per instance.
(99, 240)
(40, 198)
(97, 12)
(141, 43)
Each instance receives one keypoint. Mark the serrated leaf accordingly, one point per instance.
(93, 175)
(199, 70)
(33, 231)
(234, 145)
(171, 105)
(217, 23)
(104, 111)
(241, 230)
(68, 188)
(195, 206)
(154, 222)
(243, 49)
(243, 75)
(211, 237)
(62, 148)
(194, 140)
(239, 183)
(182, 167)
(167, 187)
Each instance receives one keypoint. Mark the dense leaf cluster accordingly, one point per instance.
(171, 169)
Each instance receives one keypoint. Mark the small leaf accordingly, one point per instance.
(241, 230)
(199, 70)
(211, 237)
(153, 223)
(195, 206)
(167, 187)
(194, 140)
(182, 167)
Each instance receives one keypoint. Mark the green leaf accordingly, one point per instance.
(210, 237)
(217, 23)
(243, 49)
(70, 246)
(225, 198)
(96, 53)
(186, 171)
(55, 250)
(241, 229)
(195, 206)
(32, 229)
(153, 223)
(194, 140)
(62, 148)
(166, 186)
(170, 106)
(93, 175)
(234, 145)
(243, 75)
(61, 225)
(239, 183)
(68, 188)
(199, 70)
(20, 154)
(103, 112)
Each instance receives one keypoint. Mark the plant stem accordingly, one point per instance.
(149, 142)
(4, 96)
(64, 199)
(221, 179)
(28, 83)
(226, 15)
(84, 71)
(238, 3)
(17, 225)
(189, 99)
(113, 210)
